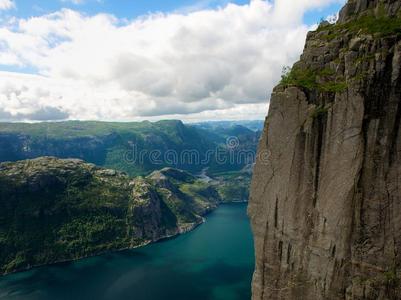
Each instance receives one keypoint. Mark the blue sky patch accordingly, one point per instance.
(128, 9)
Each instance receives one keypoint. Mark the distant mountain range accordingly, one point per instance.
(135, 148)
(254, 125)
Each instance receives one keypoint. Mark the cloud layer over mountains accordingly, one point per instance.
(207, 64)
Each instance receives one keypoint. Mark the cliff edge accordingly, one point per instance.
(325, 205)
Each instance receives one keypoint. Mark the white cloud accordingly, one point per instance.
(332, 19)
(6, 4)
(286, 11)
(203, 64)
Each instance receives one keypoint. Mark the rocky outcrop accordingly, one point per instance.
(325, 201)
(54, 210)
(357, 8)
(187, 196)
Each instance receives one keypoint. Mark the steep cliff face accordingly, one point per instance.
(325, 199)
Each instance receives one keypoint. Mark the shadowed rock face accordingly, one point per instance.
(326, 204)
(355, 8)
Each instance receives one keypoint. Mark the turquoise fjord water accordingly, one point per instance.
(213, 262)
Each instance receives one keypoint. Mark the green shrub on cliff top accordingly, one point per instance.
(308, 79)
(298, 77)
(381, 26)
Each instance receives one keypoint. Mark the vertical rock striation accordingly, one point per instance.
(326, 204)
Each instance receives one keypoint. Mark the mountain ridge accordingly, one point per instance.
(126, 147)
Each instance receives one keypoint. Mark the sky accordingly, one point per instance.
(126, 60)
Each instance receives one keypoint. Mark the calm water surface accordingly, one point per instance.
(214, 262)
